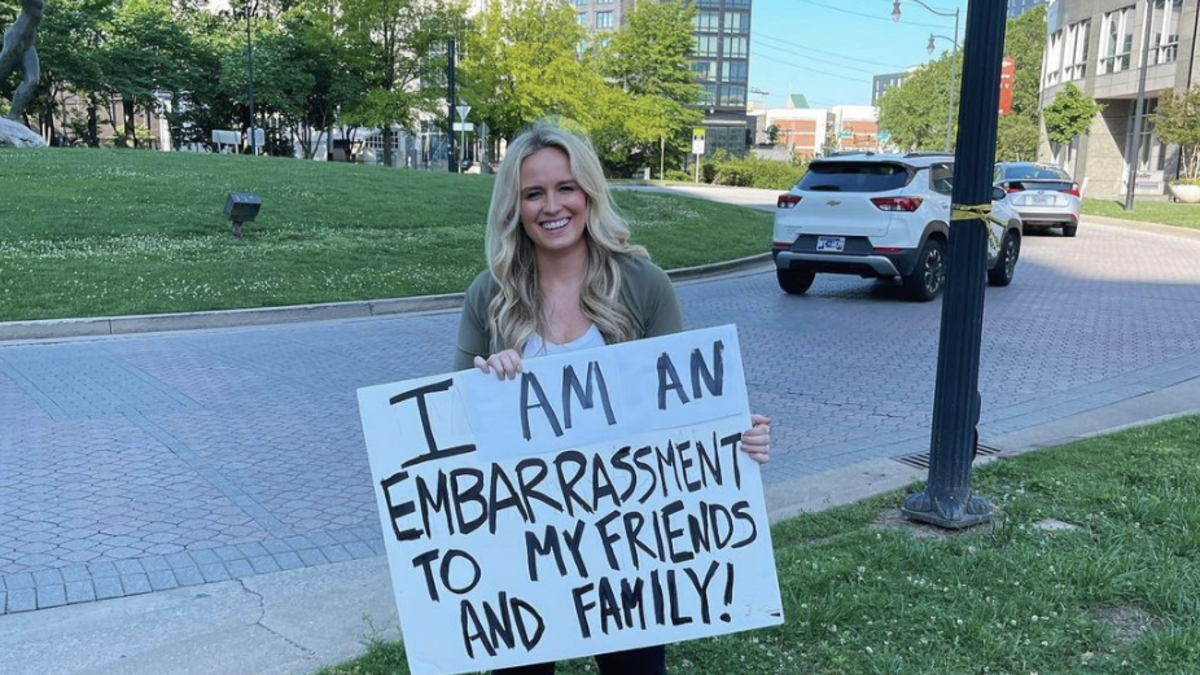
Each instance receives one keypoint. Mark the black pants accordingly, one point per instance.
(644, 661)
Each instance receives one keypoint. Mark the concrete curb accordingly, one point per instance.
(46, 329)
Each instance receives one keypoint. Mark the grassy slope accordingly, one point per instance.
(1118, 595)
(96, 232)
(1166, 213)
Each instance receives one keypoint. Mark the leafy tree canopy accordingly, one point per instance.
(522, 62)
(1070, 114)
(1177, 121)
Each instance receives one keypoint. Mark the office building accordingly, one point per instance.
(881, 83)
(721, 62)
(1099, 46)
(1018, 7)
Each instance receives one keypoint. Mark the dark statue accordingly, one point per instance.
(20, 49)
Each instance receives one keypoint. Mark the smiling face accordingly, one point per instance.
(553, 206)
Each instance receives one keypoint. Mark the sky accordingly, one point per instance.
(829, 50)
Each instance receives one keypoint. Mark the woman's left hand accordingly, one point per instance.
(756, 441)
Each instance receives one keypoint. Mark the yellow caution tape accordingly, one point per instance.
(982, 213)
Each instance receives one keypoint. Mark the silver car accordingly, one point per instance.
(1044, 195)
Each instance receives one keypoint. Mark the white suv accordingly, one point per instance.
(882, 216)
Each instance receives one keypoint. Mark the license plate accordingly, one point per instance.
(831, 244)
(1041, 200)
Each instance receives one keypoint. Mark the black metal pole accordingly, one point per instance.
(1139, 107)
(451, 99)
(947, 500)
(250, 73)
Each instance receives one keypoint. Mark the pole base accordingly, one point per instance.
(947, 511)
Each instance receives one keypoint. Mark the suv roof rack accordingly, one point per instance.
(928, 153)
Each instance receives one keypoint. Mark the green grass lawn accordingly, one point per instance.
(108, 232)
(865, 592)
(1166, 213)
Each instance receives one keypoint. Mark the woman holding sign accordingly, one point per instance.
(563, 277)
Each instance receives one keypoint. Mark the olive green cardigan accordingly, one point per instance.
(646, 293)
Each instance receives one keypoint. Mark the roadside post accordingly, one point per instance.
(462, 126)
(947, 500)
(698, 148)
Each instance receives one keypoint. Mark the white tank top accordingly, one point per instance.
(537, 346)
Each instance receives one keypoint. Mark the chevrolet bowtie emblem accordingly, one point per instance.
(832, 202)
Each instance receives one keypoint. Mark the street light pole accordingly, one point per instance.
(250, 11)
(953, 62)
(947, 500)
(451, 97)
(1139, 107)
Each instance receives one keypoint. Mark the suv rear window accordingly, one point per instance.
(854, 177)
(1034, 172)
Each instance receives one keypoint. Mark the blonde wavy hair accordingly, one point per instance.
(517, 311)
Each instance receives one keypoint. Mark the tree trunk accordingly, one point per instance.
(387, 145)
(130, 134)
(93, 123)
(48, 120)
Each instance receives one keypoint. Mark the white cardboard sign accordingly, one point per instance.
(599, 502)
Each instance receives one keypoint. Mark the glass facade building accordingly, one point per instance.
(721, 63)
(1018, 7)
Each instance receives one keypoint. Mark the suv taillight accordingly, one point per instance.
(787, 201)
(1073, 190)
(1010, 189)
(908, 204)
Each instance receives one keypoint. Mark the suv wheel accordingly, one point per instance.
(795, 282)
(928, 278)
(1069, 230)
(1006, 263)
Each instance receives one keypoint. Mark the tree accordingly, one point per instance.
(1177, 122)
(1024, 43)
(146, 53)
(281, 83)
(915, 112)
(1070, 114)
(400, 46)
(521, 62)
(69, 42)
(204, 102)
(1016, 139)
(650, 59)
(324, 53)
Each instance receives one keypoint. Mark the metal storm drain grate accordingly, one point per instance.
(920, 460)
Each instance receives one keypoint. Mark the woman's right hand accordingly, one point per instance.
(506, 364)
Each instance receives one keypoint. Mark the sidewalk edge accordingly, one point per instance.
(45, 329)
(1145, 226)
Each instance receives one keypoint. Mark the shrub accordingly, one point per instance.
(756, 172)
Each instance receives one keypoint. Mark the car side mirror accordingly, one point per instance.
(998, 194)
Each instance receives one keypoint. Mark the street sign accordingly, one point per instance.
(845, 134)
(1008, 70)
(463, 111)
(884, 136)
(464, 126)
(698, 141)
